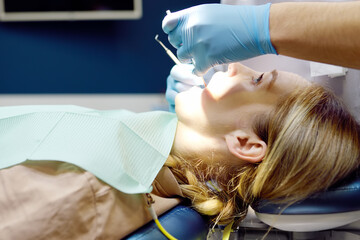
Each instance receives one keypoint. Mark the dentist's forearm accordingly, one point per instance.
(323, 32)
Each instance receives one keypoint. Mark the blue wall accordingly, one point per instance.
(88, 56)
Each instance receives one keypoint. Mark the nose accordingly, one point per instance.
(232, 69)
(239, 69)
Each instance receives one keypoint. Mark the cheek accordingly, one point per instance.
(288, 82)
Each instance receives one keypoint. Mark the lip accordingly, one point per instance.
(207, 93)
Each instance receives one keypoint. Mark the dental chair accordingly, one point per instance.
(182, 222)
(337, 209)
(332, 214)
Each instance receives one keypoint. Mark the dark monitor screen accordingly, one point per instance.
(66, 5)
(13, 10)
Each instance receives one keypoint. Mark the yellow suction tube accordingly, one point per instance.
(149, 202)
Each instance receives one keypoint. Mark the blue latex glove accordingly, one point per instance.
(212, 34)
(181, 78)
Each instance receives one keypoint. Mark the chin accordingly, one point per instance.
(188, 102)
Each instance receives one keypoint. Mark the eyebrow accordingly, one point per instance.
(274, 74)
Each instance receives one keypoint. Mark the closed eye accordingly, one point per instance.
(258, 80)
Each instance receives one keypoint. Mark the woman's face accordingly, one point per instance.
(231, 101)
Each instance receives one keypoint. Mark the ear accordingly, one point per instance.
(248, 147)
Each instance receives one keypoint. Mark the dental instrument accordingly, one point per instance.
(172, 56)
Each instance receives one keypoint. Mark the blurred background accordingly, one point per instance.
(94, 63)
(112, 64)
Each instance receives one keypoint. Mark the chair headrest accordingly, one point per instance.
(342, 197)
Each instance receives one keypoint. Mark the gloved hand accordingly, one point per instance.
(212, 34)
(181, 78)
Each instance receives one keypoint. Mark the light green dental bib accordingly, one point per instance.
(124, 149)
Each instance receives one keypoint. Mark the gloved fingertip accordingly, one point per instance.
(198, 81)
(169, 81)
(184, 55)
(170, 96)
(172, 108)
(198, 72)
(169, 23)
(174, 40)
(186, 61)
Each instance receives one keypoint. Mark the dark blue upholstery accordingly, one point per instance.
(182, 222)
(185, 223)
(342, 197)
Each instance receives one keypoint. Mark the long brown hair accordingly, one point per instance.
(313, 142)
